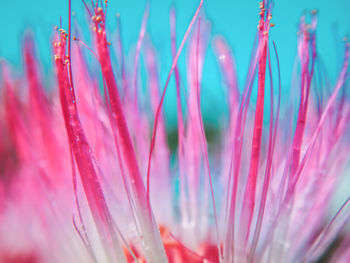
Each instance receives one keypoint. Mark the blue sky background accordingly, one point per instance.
(236, 20)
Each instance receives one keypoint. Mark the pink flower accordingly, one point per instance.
(88, 176)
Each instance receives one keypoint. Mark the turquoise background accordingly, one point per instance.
(236, 20)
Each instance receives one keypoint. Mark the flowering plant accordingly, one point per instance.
(88, 174)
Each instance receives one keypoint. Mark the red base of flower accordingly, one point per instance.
(178, 252)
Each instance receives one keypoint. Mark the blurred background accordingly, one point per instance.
(236, 20)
